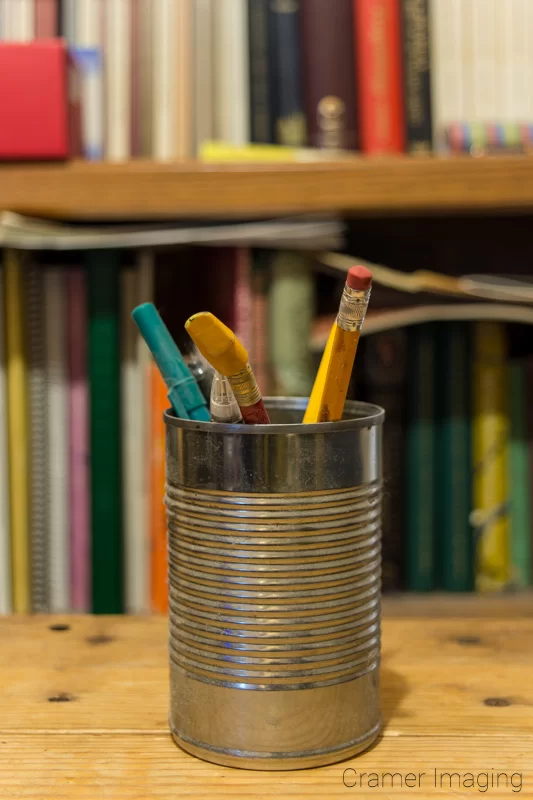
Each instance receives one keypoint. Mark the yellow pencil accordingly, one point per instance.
(333, 379)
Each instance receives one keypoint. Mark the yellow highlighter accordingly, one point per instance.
(328, 396)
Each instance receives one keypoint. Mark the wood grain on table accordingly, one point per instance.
(84, 711)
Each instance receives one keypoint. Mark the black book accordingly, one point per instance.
(261, 120)
(287, 101)
(417, 75)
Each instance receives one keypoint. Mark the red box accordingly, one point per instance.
(33, 100)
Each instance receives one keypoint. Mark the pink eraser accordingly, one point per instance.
(359, 278)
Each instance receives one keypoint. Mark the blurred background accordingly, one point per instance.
(239, 156)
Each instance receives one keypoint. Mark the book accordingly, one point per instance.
(184, 100)
(203, 111)
(328, 73)
(447, 78)
(133, 451)
(490, 452)
(484, 45)
(5, 545)
(417, 76)
(242, 295)
(18, 20)
(291, 305)
(378, 60)
(231, 65)
(519, 476)
(118, 78)
(158, 527)
(46, 19)
(453, 495)
(38, 440)
(79, 453)
(261, 68)
(384, 367)
(88, 61)
(259, 356)
(55, 310)
(69, 19)
(420, 460)
(287, 100)
(17, 420)
(104, 381)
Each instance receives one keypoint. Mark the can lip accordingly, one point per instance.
(361, 415)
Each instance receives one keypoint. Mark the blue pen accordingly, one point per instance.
(186, 398)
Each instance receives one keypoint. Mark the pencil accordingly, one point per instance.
(219, 345)
(331, 385)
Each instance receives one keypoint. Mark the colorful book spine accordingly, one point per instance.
(384, 366)
(519, 476)
(287, 101)
(420, 463)
(261, 86)
(19, 464)
(5, 545)
(57, 412)
(104, 376)
(454, 546)
(490, 442)
(417, 76)
(328, 73)
(291, 308)
(159, 561)
(38, 434)
(379, 75)
(79, 453)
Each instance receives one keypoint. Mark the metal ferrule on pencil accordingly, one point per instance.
(353, 307)
(245, 387)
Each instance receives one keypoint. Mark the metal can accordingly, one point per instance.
(274, 538)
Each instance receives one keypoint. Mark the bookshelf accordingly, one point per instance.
(358, 186)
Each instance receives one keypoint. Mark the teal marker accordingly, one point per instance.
(186, 398)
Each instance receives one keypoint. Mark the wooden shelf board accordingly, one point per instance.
(144, 190)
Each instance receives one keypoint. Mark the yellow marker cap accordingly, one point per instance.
(217, 343)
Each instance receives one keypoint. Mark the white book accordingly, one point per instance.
(183, 81)
(447, 73)
(145, 67)
(57, 412)
(165, 79)
(519, 87)
(18, 20)
(484, 49)
(5, 549)
(88, 23)
(86, 29)
(203, 119)
(232, 102)
(135, 551)
(118, 76)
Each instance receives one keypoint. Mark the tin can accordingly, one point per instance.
(274, 538)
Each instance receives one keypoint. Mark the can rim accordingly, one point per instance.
(361, 415)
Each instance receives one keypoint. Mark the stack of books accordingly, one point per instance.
(160, 78)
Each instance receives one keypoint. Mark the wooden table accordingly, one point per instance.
(83, 705)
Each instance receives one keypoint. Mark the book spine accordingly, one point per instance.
(184, 79)
(89, 64)
(454, 550)
(379, 75)
(484, 46)
(135, 555)
(146, 67)
(328, 73)
(5, 546)
(447, 90)
(17, 383)
(165, 78)
(38, 425)
(57, 408)
(261, 87)
(421, 448)
(135, 86)
(287, 101)
(232, 94)
(68, 19)
(417, 76)
(159, 561)
(519, 477)
(490, 442)
(203, 75)
(259, 348)
(19, 20)
(243, 295)
(46, 19)
(118, 79)
(104, 374)
(79, 453)
(291, 310)
(385, 378)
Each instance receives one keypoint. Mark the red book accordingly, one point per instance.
(33, 99)
(45, 19)
(378, 58)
